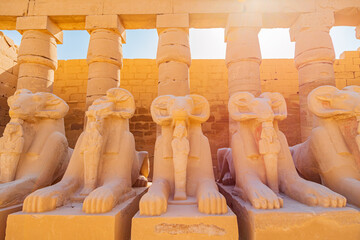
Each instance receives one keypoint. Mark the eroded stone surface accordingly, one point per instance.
(34, 151)
(182, 140)
(331, 155)
(294, 221)
(104, 164)
(262, 159)
(70, 222)
(185, 222)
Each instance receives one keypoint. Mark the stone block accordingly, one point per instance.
(174, 36)
(180, 20)
(352, 68)
(206, 6)
(294, 221)
(71, 223)
(178, 53)
(355, 81)
(324, 19)
(112, 22)
(184, 222)
(350, 54)
(238, 20)
(4, 213)
(39, 23)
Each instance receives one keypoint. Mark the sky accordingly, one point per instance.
(204, 43)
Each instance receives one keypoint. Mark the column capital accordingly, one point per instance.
(42, 23)
(180, 20)
(243, 20)
(112, 22)
(357, 32)
(322, 21)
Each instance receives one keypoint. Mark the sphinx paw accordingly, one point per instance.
(318, 195)
(101, 200)
(262, 197)
(212, 202)
(42, 200)
(153, 204)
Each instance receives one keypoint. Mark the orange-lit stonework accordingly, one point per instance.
(121, 123)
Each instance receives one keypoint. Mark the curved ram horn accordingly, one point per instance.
(319, 101)
(10, 100)
(278, 104)
(239, 106)
(52, 107)
(123, 100)
(201, 110)
(159, 109)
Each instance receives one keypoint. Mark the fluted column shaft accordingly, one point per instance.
(173, 54)
(37, 57)
(105, 56)
(243, 56)
(243, 59)
(314, 58)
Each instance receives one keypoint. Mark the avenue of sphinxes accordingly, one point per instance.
(178, 148)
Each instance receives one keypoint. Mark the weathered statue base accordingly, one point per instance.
(294, 221)
(184, 222)
(71, 223)
(4, 212)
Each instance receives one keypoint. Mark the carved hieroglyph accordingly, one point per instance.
(182, 161)
(331, 154)
(34, 151)
(262, 158)
(104, 164)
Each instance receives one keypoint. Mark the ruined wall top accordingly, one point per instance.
(141, 14)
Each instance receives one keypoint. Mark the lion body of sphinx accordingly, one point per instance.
(331, 154)
(182, 160)
(104, 164)
(199, 158)
(44, 151)
(262, 159)
(53, 133)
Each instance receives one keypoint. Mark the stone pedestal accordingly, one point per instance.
(184, 222)
(294, 221)
(4, 212)
(71, 223)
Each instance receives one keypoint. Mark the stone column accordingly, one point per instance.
(314, 58)
(243, 55)
(37, 57)
(173, 54)
(105, 57)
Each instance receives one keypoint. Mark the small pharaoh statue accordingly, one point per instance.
(11, 146)
(91, 150)
(269, 148)
(181, 148)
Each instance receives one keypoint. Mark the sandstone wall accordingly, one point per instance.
(8, 76)
(208, 78)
